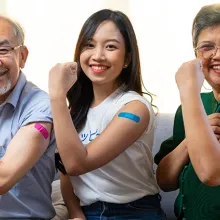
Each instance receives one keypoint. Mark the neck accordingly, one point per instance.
(101, 92)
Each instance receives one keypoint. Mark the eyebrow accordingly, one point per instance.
(114, 40)
(4, 42)
(108, 40)
(206, 41)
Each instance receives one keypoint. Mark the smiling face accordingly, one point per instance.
(210, 36)
(103, 58)
(11, 62)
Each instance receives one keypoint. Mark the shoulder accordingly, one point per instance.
(208, 98)
(34, 105)
(32, 96)
(207, 95)
(126, 97)
(133, 102)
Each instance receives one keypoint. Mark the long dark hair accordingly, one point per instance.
(80, 96)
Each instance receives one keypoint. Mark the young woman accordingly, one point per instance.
(105, 137)
(190, 159)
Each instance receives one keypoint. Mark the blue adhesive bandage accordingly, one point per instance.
(129, 116)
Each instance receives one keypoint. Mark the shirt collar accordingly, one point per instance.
(211, 105)
(16, 92)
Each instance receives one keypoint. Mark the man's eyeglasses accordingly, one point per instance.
(207, 50)
(6, 50)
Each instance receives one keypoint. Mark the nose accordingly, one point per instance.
(98, 54)
(216, 54)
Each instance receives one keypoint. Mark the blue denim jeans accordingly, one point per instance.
(146, 208)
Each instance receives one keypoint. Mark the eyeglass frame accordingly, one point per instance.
(214, 51)
(10, 49)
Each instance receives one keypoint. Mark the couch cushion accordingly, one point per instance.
(164, 129)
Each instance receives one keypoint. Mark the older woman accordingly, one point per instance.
(190, 160)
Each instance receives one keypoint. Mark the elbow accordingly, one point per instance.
(3, 187)
(161, 184)
(210, 178)
(75, 170)
(166, 186)
(166, 183)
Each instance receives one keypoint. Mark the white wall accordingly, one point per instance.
(52, 29)
(163, 30)
(3, 6)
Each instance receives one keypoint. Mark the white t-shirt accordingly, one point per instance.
(130, 175)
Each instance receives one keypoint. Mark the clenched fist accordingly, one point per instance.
(61, 78)
(191, 76)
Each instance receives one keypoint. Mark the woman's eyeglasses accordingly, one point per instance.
(207, 50)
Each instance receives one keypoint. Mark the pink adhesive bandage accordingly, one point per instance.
(42, 130)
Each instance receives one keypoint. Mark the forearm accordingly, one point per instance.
(71, 201)
(203, 147)
(69, 144)
(4, 180)
(171, 166)
(22, 153)
(73, 207)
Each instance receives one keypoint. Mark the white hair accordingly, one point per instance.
(17, 28)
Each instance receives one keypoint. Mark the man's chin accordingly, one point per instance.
(4, 89)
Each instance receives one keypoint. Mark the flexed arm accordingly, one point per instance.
(108, 145)
(202, 144)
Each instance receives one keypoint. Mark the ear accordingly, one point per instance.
(127, 60)
(24, 55)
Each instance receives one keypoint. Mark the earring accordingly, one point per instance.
(126, 65)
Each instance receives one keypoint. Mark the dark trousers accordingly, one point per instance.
(146, 208)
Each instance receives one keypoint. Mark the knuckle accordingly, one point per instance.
(214, 128)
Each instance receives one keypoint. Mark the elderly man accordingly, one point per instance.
(26, 143)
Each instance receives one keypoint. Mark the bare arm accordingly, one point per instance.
(24, 150)
(78, 159)
(171, 166)
(70, 199)
(202, 144)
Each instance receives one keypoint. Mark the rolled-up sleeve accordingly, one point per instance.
(37, 112)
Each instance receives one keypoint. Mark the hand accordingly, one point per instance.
(190, 76)
(61, 78)
(214, 121)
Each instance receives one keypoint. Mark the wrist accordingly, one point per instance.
(190, 93)
(57, 96)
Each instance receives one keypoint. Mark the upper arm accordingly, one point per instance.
(171, 143)
(165, 148)
(117, 136)
(24, 150)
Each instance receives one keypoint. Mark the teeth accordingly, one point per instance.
(99, 67)
(216, 67)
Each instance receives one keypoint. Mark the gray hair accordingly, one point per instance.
(17, 29)
(207, 17)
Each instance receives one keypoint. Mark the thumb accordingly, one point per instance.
(73, 66)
